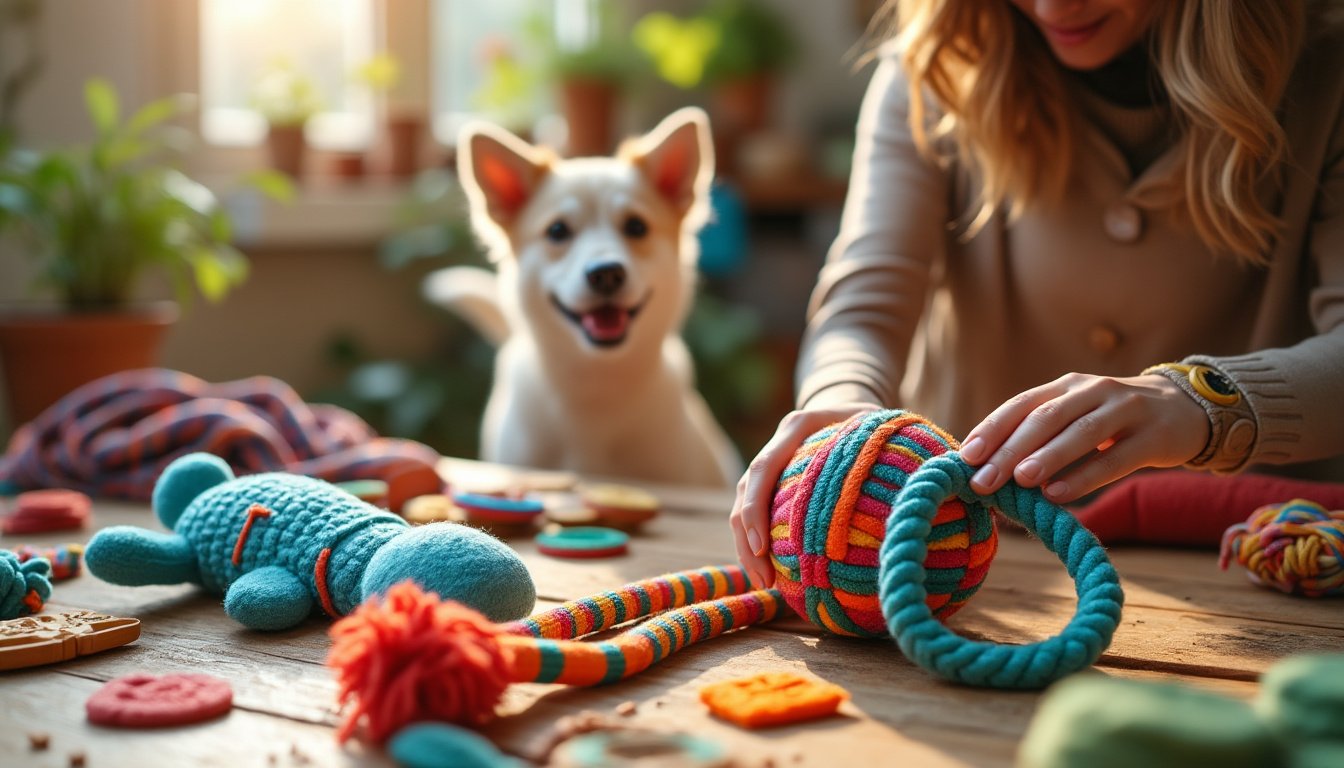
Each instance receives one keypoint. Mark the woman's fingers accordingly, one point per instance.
(1033, 420)
(750, 517)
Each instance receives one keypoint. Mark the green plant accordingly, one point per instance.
(285, 96)
(98, 217)
(728, 39)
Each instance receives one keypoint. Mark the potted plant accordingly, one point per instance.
(96, 219)
(286, 99)
(402, 125)
(736, 48)
(589, 71)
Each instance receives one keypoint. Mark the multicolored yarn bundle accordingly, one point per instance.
(414, 657)
(891, 481)
(1296, 547)
(829, 517)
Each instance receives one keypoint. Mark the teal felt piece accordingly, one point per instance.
(439, 745)
(276, 545)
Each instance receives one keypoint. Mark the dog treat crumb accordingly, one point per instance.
(77, 760)
(658, 702)
(38, 741)
(626, 708)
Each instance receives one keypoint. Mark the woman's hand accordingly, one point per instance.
(750, 518)
(1080, 432)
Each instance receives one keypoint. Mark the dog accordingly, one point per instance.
(595, 272)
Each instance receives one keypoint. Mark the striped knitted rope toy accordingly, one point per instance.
(412, 657)
(1296, 547)
(875, 531)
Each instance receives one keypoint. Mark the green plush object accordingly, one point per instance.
(1319, 754)
(1302, 698)
(438, 745)
(1101, 722)
(278, 546)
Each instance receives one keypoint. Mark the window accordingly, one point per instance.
(321, 42)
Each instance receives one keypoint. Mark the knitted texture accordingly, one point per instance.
(934, 647)
(66, 559)
(832, 506)
(412, 657)
(277, 544)
(1296, 547)
(24, 586)
(115, 436)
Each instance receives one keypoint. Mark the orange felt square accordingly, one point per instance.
(772, 698)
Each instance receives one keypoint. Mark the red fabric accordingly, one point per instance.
(1177, 507)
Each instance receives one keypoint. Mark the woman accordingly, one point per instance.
(1051, 199)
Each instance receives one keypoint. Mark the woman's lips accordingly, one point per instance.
(1072, 35)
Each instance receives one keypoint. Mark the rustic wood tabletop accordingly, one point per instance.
(1184, 620)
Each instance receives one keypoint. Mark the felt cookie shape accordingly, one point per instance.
(154, 701)
(49, 510)
(277, 546)
(772, 698)
(49, 638)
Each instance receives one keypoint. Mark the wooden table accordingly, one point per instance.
(1184, 620)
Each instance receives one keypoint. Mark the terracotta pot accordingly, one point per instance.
(401, 151)
(741, 107)
(285, 148)
(589, 107)
(47, 355)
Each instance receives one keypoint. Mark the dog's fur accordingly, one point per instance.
(596, 271)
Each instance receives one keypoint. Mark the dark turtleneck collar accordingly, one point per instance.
(1128, 80)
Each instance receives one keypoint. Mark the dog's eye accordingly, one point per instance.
(558, 231)
(634, 226)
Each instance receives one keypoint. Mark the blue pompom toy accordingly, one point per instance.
(24, 586)
(276, 545)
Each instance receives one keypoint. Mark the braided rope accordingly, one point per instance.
(587, 615)
(1296, 547)
(936, 648)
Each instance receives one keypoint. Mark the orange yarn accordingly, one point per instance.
(415, 658)
(772, 698)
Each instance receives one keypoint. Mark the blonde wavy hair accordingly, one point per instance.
(1000, 98)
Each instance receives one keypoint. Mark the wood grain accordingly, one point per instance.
(1184, 620)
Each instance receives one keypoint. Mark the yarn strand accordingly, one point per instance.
(933, 646)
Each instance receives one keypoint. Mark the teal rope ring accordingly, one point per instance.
(940, 650)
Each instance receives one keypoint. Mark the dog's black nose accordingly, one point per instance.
(606, 278)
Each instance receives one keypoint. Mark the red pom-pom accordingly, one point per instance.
(413, 657)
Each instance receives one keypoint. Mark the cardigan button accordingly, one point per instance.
(1123, 222)
(1103, 338)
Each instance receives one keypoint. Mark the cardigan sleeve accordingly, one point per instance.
(871, 293)
(1297, 392)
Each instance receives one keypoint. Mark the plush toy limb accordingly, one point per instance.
(185, 479)
(135, 557)
(268, 598)
(24, 587)
(446, 662)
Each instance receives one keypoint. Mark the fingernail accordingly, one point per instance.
(754, 541)
(1028, 471)
(1055, 490)
(971, 450)
(987, 476)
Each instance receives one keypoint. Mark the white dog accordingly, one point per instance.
(596, 271)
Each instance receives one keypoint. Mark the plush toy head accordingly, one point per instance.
(278, 545)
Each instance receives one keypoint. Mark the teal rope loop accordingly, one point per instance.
(940, 650)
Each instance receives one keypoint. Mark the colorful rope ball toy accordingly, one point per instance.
(1296, 547)
(875, 531)
(829, 517)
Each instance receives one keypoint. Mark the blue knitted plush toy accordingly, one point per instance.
(276, 545)
(24, 585)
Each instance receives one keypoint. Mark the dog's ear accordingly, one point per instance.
(499, 170)
(677, 157)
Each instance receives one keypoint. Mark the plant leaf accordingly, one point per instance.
(158, 111)
(101, 100)
(272, 184)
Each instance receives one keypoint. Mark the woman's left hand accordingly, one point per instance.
(1080, 432)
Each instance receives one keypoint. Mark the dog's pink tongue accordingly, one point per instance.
(606, 323)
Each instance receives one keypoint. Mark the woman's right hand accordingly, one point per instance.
(750, 518)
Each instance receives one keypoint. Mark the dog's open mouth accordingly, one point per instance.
(605, 325)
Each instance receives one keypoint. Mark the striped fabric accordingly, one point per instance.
(114, 436)
(687, 607)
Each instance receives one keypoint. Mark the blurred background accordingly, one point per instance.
(276, 179)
